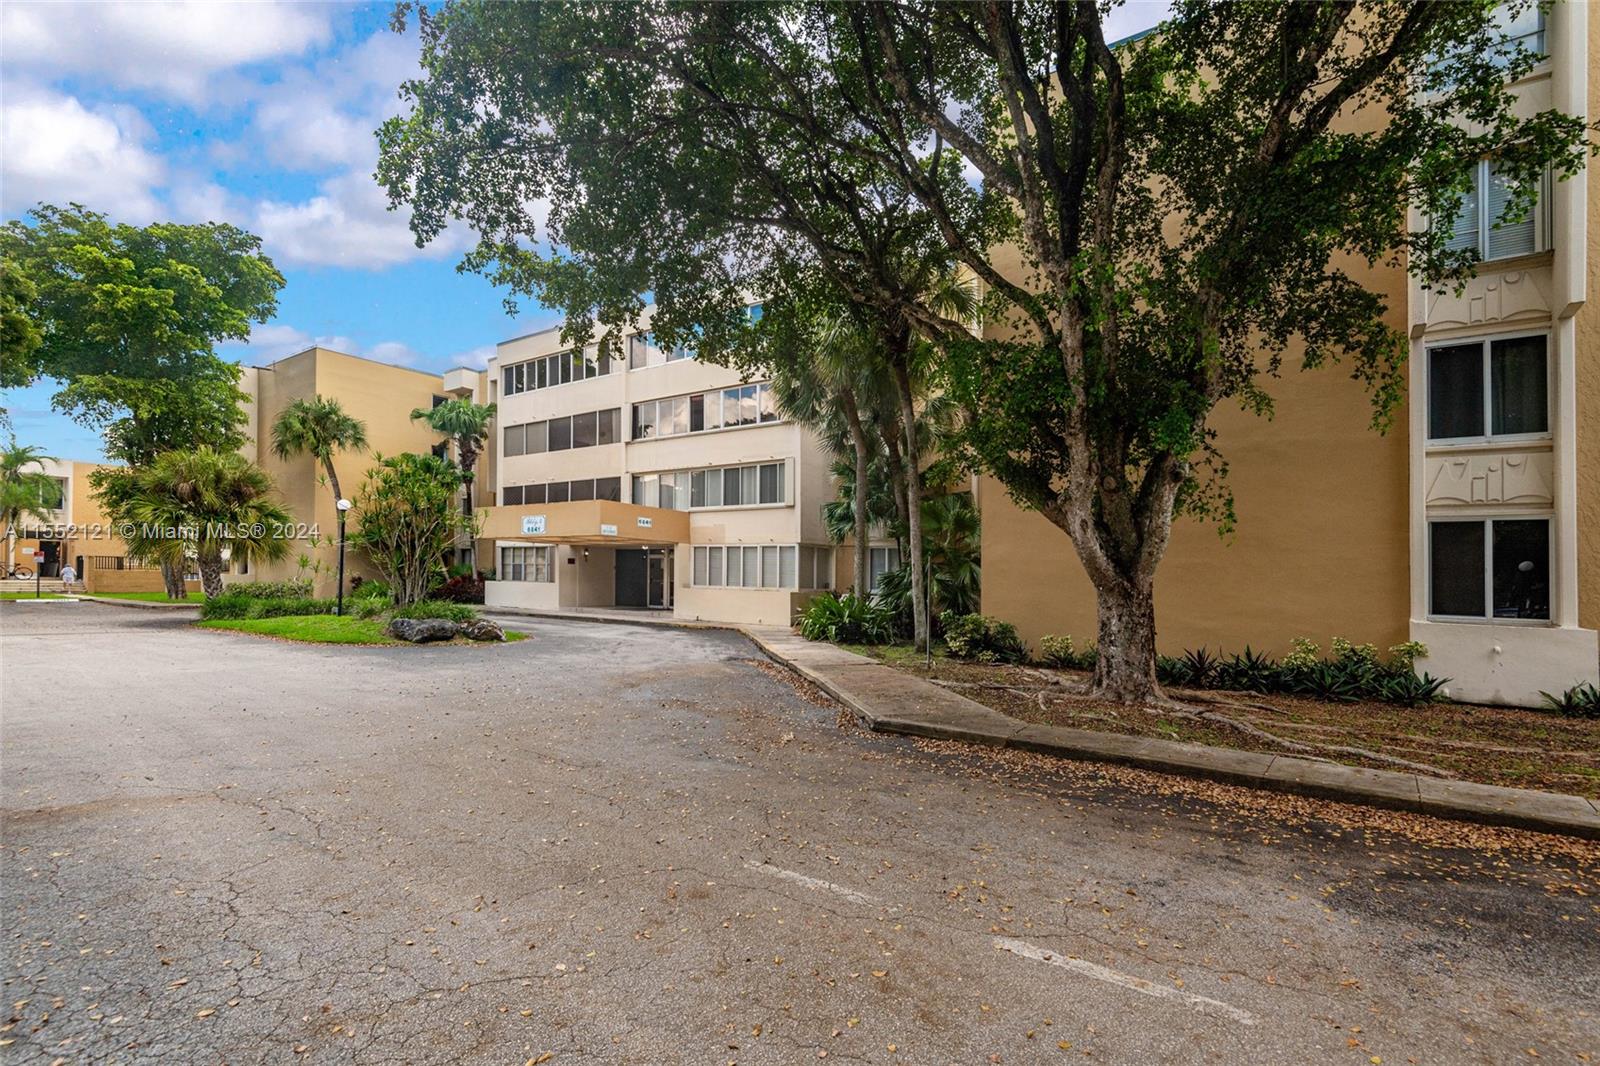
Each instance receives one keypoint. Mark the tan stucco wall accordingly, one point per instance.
(378, 394)
(1321, 548)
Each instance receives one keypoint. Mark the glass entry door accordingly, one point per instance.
(658, 579)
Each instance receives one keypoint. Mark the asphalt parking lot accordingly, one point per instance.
(619, 844)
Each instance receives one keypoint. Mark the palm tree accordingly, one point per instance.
(318, 427)
(466, 423)
(25, 490)
(198, 504)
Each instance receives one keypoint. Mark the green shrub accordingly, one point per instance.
(297, 589)
(894, 595)
(286, 608)
(979, 638)
(229, 606)
(1059, 651)
(1247, 671)
(371, 589)
(366, 606)
(454, 612)
(847, 619)
(1407, 689)
(1579, 701)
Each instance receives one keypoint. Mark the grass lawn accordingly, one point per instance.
(151, 597)
(30, 596)
(322, 629)
(1493, 745)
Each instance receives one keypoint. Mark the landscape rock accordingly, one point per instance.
(482, 629)
(423, 630)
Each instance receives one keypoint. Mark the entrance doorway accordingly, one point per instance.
(644, 577)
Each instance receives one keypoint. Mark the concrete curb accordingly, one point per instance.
(890, 701)
(156, 605)
(1546, 812)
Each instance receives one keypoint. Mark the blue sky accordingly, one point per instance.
(260, 114)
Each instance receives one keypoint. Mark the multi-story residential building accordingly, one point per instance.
(649, 480)
(1473, 528)
(379, 394)
(71, 528)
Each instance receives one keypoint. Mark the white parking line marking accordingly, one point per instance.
(1112, 977)
(810, 882)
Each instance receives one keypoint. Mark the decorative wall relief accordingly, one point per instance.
(1490, 477)
(1492, 297)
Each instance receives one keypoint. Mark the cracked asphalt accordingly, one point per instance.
(620, 844)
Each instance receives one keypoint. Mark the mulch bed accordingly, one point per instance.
(1492, 745)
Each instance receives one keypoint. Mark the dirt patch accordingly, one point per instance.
(1491, 745)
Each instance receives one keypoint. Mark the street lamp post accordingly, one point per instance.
(344, 506)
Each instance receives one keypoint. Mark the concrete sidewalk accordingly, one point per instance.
(892, 701)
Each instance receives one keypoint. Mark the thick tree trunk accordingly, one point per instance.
(861, 572)
(1125, 669)
(211, 575)
(913, 477)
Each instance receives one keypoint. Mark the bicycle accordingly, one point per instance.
(18, 573)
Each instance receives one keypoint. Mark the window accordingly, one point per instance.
(645, 490)
(1491, 568)
(731, 496)
(1482, 224)
(557, 492)
(560, 434)
(608, 421)
(1489, 388)
(697, 412)
(608, 488)
(585, 429)
(538, 437)
(642, 351)
(644, 420)
(581, 489)
(767, 566)
(534, 494)
(771, 483)
(879, 562)
(668, 491)
(515, 435)
(1524, 30)
(526, 564)
(511, 495)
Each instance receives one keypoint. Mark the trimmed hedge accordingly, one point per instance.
(233, 607)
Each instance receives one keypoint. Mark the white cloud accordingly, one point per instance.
(347, 224)
(172, 48)
(53, 148)
(273, 341)
(476, 358)
(326, 114)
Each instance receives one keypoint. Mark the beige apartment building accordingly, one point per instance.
(380, 395)
(72, 529)
(1473, 526)
(649, 480)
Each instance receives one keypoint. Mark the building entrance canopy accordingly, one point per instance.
(586, 522)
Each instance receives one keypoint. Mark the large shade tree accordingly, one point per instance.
(126, 319)
(1157, 226)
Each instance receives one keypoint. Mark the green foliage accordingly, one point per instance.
(453, 612)
(464, 422)
(366, 606)
(371, 589)
(1407, 689)
(1158, 227)
(294, 589)
(233, 605)
(200, 504)
(1248, 671)
(1580, 701)
(26, 491)
(19, 333)
(951, 546)
(407, 522)
(316, 629)
(1060, 652)
(127, 317)
(979, 638)
(847, 619)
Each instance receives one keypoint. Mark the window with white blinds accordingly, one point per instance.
(1482, 222)
(766, 566)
